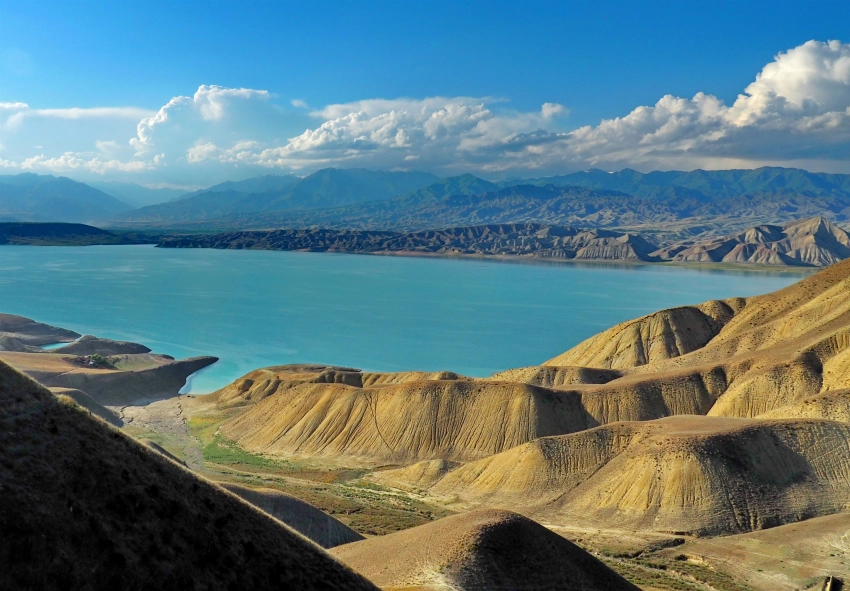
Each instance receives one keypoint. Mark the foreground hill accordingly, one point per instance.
(480, 550)
(812, 242)
(525, 240)
(83, 506)
(31, 197)
(329, 187)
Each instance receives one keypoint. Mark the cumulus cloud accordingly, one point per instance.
(796, 112)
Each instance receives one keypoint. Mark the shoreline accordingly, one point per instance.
(531, 259)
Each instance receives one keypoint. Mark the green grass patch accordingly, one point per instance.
(224, 451)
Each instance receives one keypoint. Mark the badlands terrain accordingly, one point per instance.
(705, 447)
(814, 242)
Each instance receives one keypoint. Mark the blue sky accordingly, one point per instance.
(83, 75)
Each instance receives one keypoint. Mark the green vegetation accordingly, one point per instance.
(223, 451)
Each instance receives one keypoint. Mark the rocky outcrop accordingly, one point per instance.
(813, 242)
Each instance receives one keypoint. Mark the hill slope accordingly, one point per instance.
(31, 197)
(415, 419)
(83, 506)
(480, 550)
(700, 475)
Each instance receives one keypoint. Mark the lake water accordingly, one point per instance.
(382, 313)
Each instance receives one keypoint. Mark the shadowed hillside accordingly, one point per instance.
(480, 550)
(83, 506)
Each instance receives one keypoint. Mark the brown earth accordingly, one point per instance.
(479, 550)
(84, 506)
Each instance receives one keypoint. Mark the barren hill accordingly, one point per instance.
(480, 550)
(700, 475)
(810, 242)
(391, 421)
(83, 506)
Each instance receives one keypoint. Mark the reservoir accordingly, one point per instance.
(377, 313)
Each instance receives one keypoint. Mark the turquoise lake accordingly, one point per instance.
(378, 313)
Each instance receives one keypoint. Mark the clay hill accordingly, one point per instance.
(723, 417)
(811, 242)
(525, 240)
(479, 550)
(82, 506)
(96, 372)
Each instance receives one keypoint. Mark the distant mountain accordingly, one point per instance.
(707, 185)
(326, 188)
(813, 242)
(522, 240)
(137, 195)
(668, 206)
(45, 198)
(257, 184)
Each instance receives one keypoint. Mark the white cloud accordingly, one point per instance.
(795, 112)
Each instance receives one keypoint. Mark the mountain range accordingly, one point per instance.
(668, 207)
(672, 206)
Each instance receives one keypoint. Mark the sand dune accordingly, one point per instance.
(482, 550)
(83, 506)
(698, 475)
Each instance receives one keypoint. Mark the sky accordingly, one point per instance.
(187, 94)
